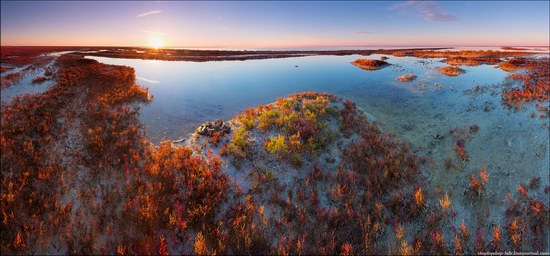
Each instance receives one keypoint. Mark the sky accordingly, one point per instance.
(273, 24)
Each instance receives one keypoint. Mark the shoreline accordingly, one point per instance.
(17, 55)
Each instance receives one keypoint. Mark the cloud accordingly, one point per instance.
(430, 10)
(148, 13)
(364, 32)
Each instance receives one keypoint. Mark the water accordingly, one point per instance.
(189, 93)
(512, 145)
(25, 85)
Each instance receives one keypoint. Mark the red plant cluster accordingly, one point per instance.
(11, 79)
(368, 64)
(461, 135)
(460, 150)
(76, 167)
(477, 185)
(23, 55)
(527, 222)
(535, 84)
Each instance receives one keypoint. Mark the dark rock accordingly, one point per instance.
(209, 128)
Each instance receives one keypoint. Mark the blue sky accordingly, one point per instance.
(275, 24)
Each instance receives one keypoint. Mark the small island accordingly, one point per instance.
(370, 65)
(513, 64)
(451, 71)
(471, 61)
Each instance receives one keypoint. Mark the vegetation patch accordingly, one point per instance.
(368, 64)
(450, 71)
(471, 61)
(513, 64)
(534, 85)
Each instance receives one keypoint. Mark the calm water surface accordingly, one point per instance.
(514, 146)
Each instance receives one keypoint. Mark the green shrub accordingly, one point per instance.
(267, 119)
(239, 143)
(276, 144)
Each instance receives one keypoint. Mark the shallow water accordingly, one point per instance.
(514, 146)
(25, 85)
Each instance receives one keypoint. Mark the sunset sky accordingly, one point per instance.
(275, 24)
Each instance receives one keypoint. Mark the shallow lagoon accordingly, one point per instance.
(25, 85)
(514, 146)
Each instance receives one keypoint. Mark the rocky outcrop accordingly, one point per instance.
(209, 128)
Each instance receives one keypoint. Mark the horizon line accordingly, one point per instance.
(280, 47)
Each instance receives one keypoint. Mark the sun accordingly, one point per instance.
(156, 43)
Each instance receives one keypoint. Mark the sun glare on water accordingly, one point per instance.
(156, 43)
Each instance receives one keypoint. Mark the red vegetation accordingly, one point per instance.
(527, 222)
(509, 48)
(24, 55)
(39, 79)
(477, 186)
(471, 61)
(461, 135)
(368, 64)
(10, 79)
(78, 177)
(450, 71)
(513, 64)
(535, 84)
(461, 151)
(4, 69)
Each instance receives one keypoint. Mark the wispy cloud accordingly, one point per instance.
(364, 32)
(148, 13)
(430, 10)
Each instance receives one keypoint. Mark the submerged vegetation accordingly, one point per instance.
(406, 78)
